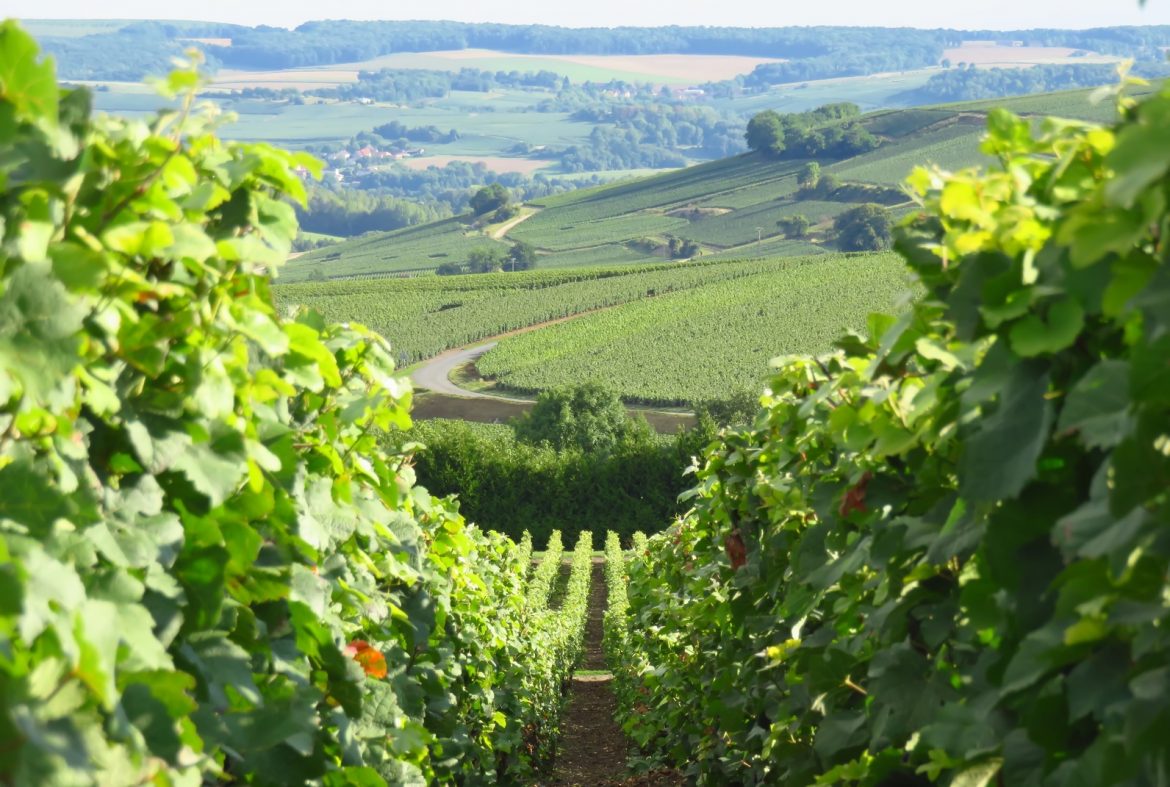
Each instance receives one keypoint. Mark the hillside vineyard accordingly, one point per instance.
(924, 529)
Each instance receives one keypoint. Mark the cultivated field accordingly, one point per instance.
(525, 166)
(990, 55)
(661, 350)
(659, 69)
(299, 78)
(424, 316)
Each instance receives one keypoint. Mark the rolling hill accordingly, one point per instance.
(730, 207)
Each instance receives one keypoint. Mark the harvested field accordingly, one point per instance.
(990, 55)
(525, 166)
(300, 78)
(664, 69)
(668, 68)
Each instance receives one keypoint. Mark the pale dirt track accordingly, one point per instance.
(435, 374)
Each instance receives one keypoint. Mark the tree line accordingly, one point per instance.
(408, 85)
(143, 48)
(971, 84)
(831, 131)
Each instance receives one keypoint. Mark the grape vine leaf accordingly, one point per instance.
(1000, 458)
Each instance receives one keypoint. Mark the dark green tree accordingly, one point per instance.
(588, 416)
(765, 133)
(486, 259)
(827, 184)
(521, 257)
(794, 226)
(809, 176)
(864, 228)
(490, 198)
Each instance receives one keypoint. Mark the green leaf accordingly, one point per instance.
(979, 775)
(39, 333)
(1000, 457)
(202, 573)
(51, 588)
(212, 470)
(1098, 405)
(1092, 234)
(1034, 336)
(1140, 156)
(322, 522)
(219, 663)
(143, 651)
(30, 86)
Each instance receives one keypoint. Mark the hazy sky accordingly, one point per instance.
(1001, 14)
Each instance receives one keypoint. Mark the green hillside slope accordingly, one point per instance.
(731, 206)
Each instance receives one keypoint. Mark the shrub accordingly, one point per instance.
(864, 228)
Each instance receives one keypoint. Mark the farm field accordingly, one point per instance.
(425, 315)
(489, 124)
(660, 350)
(984, 54)
(871, 92)
(679, 69)
(951, 147)
(409, 250)
(525, 166)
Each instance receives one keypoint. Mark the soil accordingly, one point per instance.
(593, 750)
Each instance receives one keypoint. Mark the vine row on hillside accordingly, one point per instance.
(941, 553)
(214, 563)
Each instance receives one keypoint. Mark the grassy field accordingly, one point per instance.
(661, 350)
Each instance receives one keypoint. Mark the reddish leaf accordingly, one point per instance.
(736, 551)
(854, 499)
(370, 659)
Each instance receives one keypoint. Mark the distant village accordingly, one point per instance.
(352, 164)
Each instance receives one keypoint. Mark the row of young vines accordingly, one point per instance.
(214, 565)
(942, 554)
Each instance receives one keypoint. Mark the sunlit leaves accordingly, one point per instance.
(202, 500)
(983, 604)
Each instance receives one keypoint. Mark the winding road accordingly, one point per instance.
(435, 374)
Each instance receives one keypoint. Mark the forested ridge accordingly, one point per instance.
(815, 52)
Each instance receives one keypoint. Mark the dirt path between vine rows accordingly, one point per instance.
(499, 232)
(593, 747)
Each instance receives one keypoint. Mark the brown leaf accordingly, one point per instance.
(854, 499)
(736, 551)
